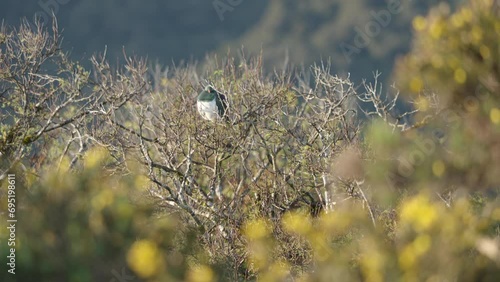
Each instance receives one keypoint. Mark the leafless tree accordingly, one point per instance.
(273, 154)
(48, 103)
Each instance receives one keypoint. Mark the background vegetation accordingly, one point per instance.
(119, 178)
(177, 31)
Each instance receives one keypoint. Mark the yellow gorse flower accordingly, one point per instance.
(419, 212)
(144, 258)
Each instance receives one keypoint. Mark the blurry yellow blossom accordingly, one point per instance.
(477, 34)
(201, 273)
(419, 23)
(372, 261)
(407, 258)
(411, 253)
(164, 82)
(495, 115)
(416, 84)
(322, 250)
(496, 214)
(436, 29)
(438, 168)
(460, 75)
(466, 14)
(256, 229)
(94, 157)
(485, 52)
(259, 254)
(103, 199)
(421, 244)
(141, 182)
(144, 258)
(334, 221)
(457, 20)
(297, 223)
(419, 212)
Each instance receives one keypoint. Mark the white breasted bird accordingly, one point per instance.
(211, 104)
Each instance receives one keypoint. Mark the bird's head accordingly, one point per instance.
(208, 94)
(209, 89)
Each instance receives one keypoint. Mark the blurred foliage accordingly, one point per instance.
(93, 226)
(454, 70)
(430, 243)
(177, 30)
(456, 53)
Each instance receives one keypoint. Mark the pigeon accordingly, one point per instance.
(211, 104)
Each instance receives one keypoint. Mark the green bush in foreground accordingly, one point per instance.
(87, 227)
